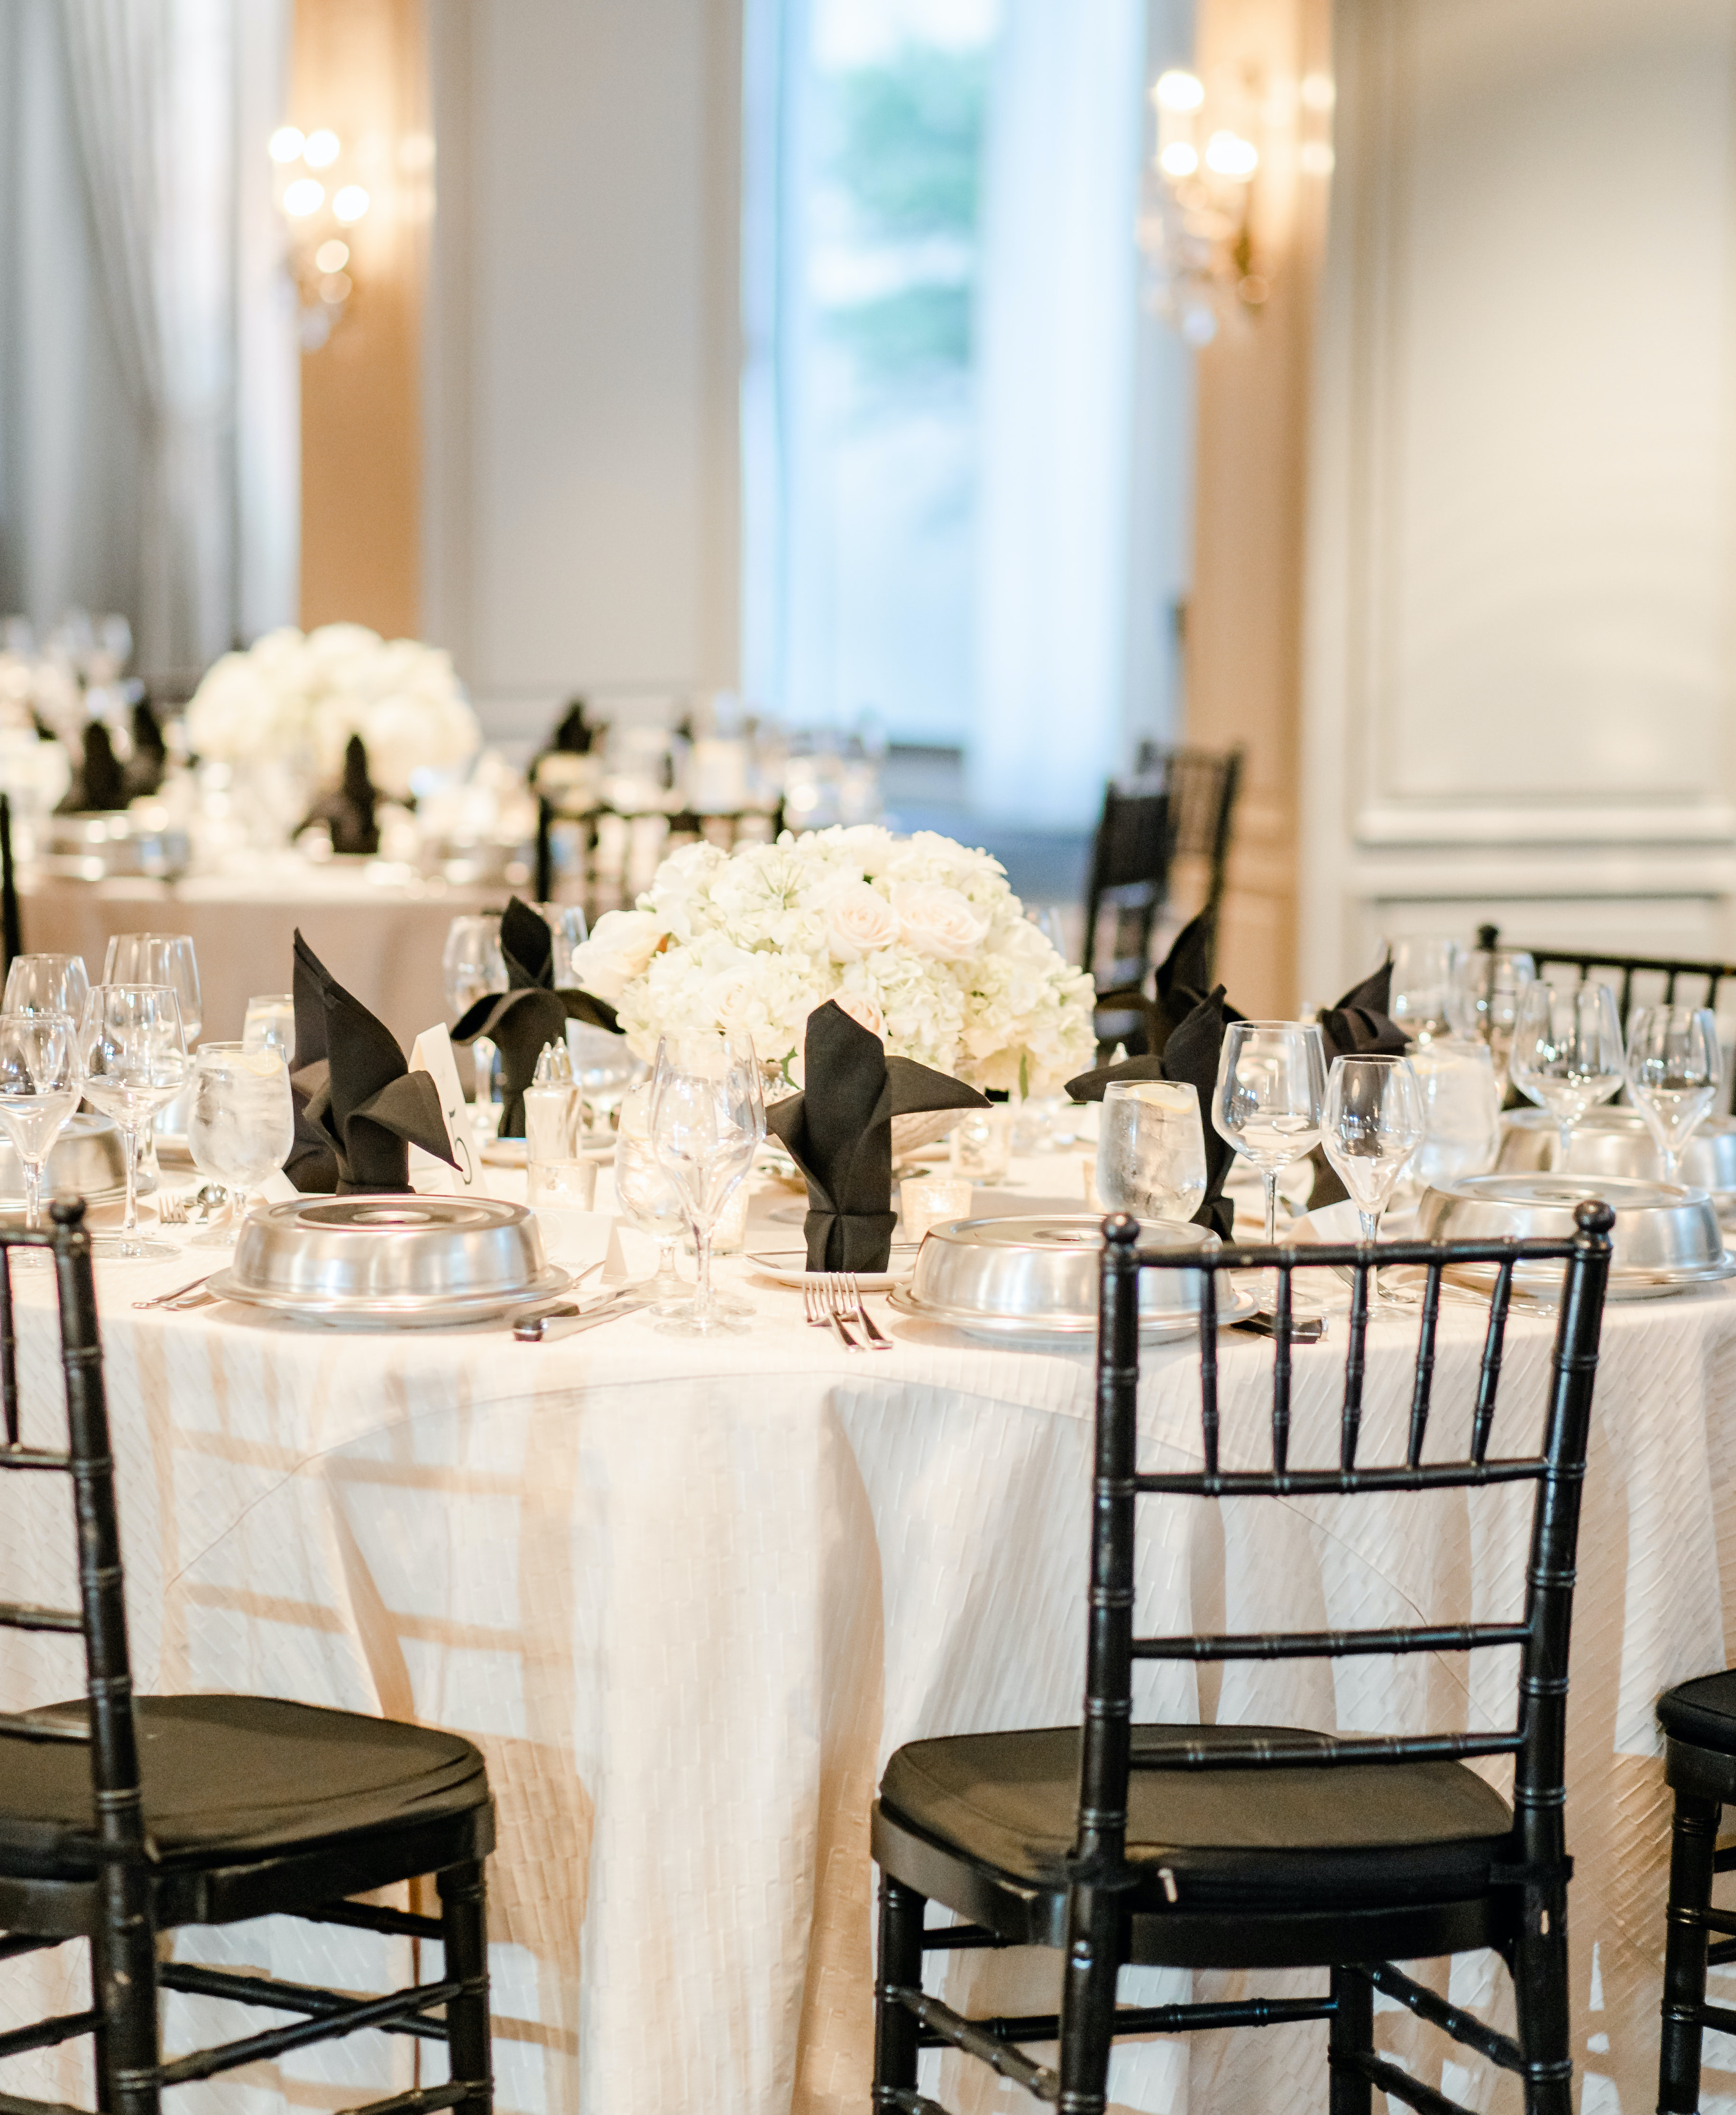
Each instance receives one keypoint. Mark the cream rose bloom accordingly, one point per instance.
(939, 922)
(620, 949)
(862, 1010)
(860, 921)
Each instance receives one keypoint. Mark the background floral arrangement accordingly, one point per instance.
(918, 939)
(297, 698)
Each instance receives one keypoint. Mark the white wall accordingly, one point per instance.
(583, 349)
(1519, 649)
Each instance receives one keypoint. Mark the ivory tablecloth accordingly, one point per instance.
(687, 1597)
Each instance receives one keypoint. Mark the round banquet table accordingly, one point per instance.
(688, 1596)
(379, 927)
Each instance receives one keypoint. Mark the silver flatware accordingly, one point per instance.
(858, 1313)
(180, 1293)
(821, 1314)
(550, 1326)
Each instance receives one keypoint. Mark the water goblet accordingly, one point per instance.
(1151, 1149)
(269, 1024)
(133, 1057)
(48, 984)
(567, 930)
(706, 1122)
(472, 965)
(1488, 985)
(1270, 1099)
(1374, 1121)
(604, 1066)
(240, 1125)
(38, 1092)
(648, 1195)
(1423, 966)
(1674, 1070)
(1567, 1053)
(159, 958)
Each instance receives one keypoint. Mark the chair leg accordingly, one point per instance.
(1087, 2015)
(123, 1966)
(1693, 1839)
(1540, 1982)
(464, 1919)
(1351, 2033)
(899, 1967)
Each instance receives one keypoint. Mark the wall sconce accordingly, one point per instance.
(321, 210)
(1221, 192)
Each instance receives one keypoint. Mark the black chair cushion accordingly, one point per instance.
(230, 1779)
(1702, 1712)
(1256, 1839)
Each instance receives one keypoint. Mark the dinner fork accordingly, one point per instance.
(848, 1289)
(172, 1209)
(821, 1314)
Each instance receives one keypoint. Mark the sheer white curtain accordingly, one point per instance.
(1056, 328)
(174, 100)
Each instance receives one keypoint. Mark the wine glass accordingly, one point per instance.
(159, 958)
(1270, 1099)
(472, 965)
(134, 1058)
(48, 984)
(1374, 1121)
(706, 1122)
(1488, 986)
(1423, 973)
(647, 1195)
(38, 1092)
(1567, 1053)
(567, 929)
(240, 1125)
(269, 1024)
(1151, 1149)
(604, 1067)
(1674, 1070)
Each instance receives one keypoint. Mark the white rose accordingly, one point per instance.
(620, 949)
(939, 922)
(862, 1010)
(860, 921)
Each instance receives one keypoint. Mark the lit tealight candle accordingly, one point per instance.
(932, 1200)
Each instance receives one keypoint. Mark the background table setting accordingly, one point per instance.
(688, 1560)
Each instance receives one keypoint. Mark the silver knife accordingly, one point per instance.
(547, 1328)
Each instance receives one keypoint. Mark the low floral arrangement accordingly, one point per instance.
(297, 698)
(918, 939)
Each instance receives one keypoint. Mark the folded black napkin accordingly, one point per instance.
(1358, 1026)
(348, 812)
(1184, 979)
(359, 1108)
(99, 785)
(149, 759)
(1189, 1058)
(839, 1132)
(530, 1013)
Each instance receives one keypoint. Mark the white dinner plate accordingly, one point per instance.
(1036, 1331)
(790, 1267)
(503, 1152)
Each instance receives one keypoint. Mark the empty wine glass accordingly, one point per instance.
(604, 1067)
(133, 1059)
(1488, 985)
(1270, 1099)
(1375, 1123)
(472, 965)
(48, 984)
(706, 1122)
(1567, 1053)
(159, 958)
(567, 930)
(1674, 1070)
(1151, 1149)
(269, 1024)
(240, 1125)
(38, 1092)
(647, 1195)
(1423, 972)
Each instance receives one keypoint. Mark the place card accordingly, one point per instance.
(432, 1052)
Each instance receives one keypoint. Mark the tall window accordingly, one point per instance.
(940, 404)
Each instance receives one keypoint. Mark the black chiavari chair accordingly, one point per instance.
(1699, 1722)
(1247, 1846)
(120, 1818)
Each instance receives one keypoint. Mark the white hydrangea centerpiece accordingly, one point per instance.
(296, 698)
(918, 938)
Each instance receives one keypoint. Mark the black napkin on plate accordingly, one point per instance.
(359, 1108)
(839, 1132)
(1184, 979)
(348, 812)
(530, 1013)
(150, 756)
(1190, 1058)
(1358, 1026)
(98, 785)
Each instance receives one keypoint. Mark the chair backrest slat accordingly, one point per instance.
(1538, 1737)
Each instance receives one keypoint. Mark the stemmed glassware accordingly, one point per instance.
(706, 1122)
(133, 1057)
(240, 1125)
(567, 930)
(1270, 1099)
(1567, 1053)
(648, 1195)
(473, 965)
(269, 1023)
(159, 958)
(604, 1067)
(1374, 1121)
(1424, 968)
(1151, 1149)
(1674, 1070)
(38, 1092)
(1489, 985)
(48, 984)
